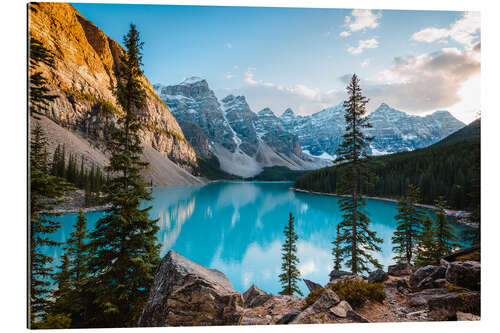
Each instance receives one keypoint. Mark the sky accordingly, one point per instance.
(415, 61)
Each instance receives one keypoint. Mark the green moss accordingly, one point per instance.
(357, 292)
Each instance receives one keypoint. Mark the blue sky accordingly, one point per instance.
(416, 61)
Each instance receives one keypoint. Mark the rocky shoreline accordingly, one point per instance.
(462, 222)
(185, 293)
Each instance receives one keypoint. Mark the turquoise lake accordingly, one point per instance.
(237, 228)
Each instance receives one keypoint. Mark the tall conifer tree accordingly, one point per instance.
(444, 232)
(426, 244)
(409, 220)
(358, 241)
(290, 273)
(125, 251)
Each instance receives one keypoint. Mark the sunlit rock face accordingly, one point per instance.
(83, 77)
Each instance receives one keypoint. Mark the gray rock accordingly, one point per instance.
(341, 309)
(318, 312)
(465, 274)
(287, 318)
(185, 293)
(462, 316)
(337, 274)
(312, 286)
(445, 307)
(423, 277)
(354, 316)
(378, 276)
(255, 297)
(400, 269)
(422, 297)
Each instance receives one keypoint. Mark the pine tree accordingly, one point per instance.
(358, 241)
(336, 252)
(39, 97)
(124, 247)
(409, 220)
(45, 191)
(426, 244)
(77, 251)
(290, 273)
(444, 232)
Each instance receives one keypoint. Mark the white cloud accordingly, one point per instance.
(249, 77)
(366, 62)
(360, 19)
(427, 82)
(229, 45)
(465, 31)
(229, 75)
(235, 67)
(363, 44)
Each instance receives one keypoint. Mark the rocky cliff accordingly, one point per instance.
(83, 77)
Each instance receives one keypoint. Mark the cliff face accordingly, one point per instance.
(83, 77)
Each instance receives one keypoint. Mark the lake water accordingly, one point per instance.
(237, 228)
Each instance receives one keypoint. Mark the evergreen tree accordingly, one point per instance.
(444, 232)
(77, 251)
(426, 244)
(124, 247)
(45, 191)
(336, 252)
(290, 273)
(62, 280)
(358, 241)
(409, 220)
(39, 96)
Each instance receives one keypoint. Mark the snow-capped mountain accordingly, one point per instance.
(320, 134)
(244, 142)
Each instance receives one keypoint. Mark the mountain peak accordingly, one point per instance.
(288, 112)
(266, 112)
(191, 80)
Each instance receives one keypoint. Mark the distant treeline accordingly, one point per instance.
(90, 179)
(448, 168)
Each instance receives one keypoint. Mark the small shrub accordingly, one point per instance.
(357, 292)
(312, 297)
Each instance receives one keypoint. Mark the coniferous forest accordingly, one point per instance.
(447, 168)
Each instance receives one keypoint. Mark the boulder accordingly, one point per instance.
(288, 317)
(185, 293)
(341, 309)
(378, 276)
(338, 274)
(446, 307)
(424, 277)
(272, 310)
(319, 312)
(356, 317)
(465, 274)
(462, 316)
(255, 297)
(400, 269)
(312, 286)
(422, 298)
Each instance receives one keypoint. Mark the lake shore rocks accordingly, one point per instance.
(378, 275)
(185, 293)
(424, 277)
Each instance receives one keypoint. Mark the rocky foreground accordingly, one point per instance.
(185, 293)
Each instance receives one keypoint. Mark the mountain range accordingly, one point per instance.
(245, 142)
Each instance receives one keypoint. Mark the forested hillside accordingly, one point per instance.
(448, 168)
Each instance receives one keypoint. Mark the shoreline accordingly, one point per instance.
(74, 210)
(457, 221)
